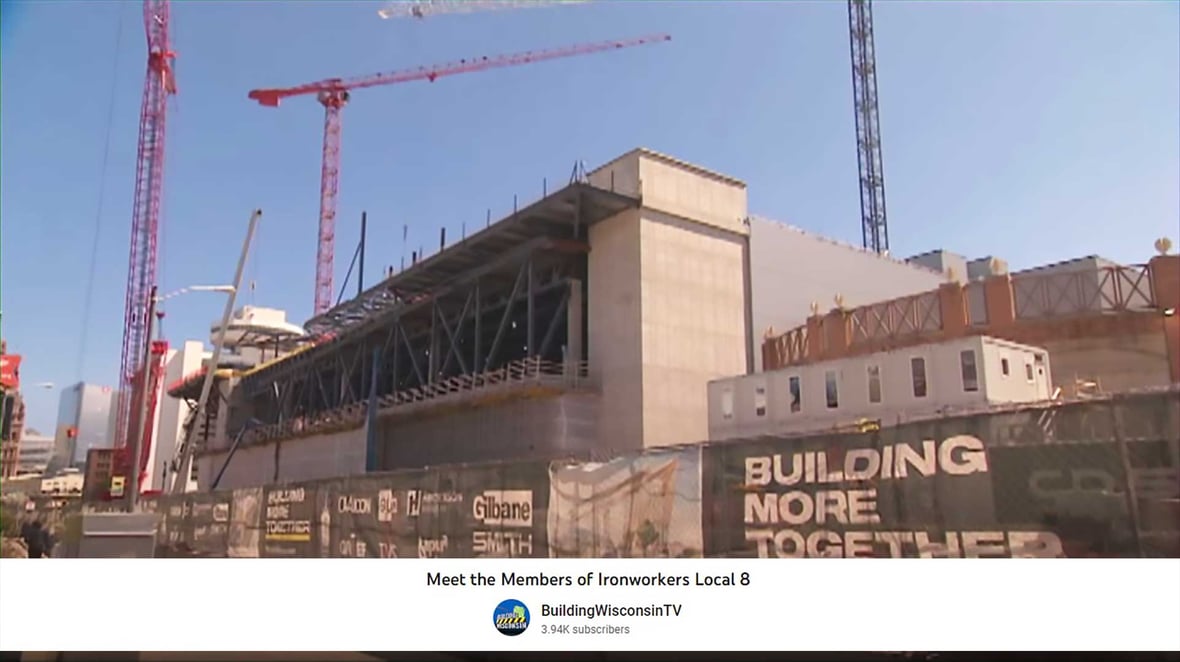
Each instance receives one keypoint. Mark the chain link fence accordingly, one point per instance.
(1082, 479)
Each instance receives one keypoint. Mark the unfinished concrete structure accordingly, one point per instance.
(584, 324)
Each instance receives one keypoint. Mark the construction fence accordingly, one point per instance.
(1088, 479)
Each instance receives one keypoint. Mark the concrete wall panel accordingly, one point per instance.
(683, 190)
(306, 458)
(693, 322)
(791, 268)
(615, 344)
(539, 428)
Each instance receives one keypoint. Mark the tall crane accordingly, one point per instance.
(334, 94)
(874, 228)
(424, 8)
(158, 85)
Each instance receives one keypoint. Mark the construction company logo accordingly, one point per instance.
(386, 506)
(504, 508)
(508, 516)
(511, 617)
(432, 548)
(352, 505)
(214, 512)
(416, 500)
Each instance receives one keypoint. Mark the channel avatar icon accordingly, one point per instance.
(511, 617)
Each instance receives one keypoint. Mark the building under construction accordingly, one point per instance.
(585, 324)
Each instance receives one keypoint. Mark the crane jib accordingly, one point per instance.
(333, 94)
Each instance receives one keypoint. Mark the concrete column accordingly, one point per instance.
(952, 304)
(1165, 284)
(1001, 305)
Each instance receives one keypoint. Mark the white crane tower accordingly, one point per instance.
(424, 8)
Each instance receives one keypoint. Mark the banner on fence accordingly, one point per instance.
(244, 518)
(885, 495)
(960, 487)
(1080, 491)
(290, 526)
(462, 512)
(630, 507)
(850, 495)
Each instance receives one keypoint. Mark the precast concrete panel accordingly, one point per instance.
(536, 428)
(791, 268)
(615, 344)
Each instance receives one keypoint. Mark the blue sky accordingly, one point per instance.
(1032, 131)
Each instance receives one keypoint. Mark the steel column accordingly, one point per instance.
(505, 317)
(478, 326)
(553, 323)
(530, 346)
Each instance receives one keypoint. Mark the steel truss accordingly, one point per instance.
(502, 296)
(510, 310)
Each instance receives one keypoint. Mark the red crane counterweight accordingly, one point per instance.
(333, 94)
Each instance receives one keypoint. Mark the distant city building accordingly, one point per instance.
(84, 417)
(959, 267)
(12, 411)
(171, 413)
(11, 431)
(35, 452)
(67, 482)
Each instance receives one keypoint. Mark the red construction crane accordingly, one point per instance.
(148, 382)
(334, 93)
(145, 220)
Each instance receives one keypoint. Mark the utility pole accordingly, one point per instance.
(142, 423)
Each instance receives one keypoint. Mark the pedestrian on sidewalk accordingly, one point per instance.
(34, 538)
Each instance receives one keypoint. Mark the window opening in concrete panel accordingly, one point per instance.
(796, 393)
(918, 376)
(727, 403)
(1028, 371)
(875, 384)
(1004, 369)
(968, 370)
(832, 389)
(760, 400)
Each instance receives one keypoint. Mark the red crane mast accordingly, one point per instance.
(158, 85)
(334, 93)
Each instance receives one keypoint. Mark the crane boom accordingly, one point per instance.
(423, 8)
(158, 85)
(272, 97)
(334, 93)
(874, 228)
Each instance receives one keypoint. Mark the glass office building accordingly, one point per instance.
(83, 422)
